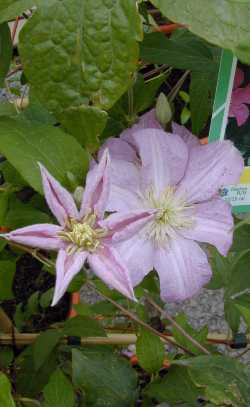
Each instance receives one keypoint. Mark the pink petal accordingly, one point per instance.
(97, 188)
(122, 226)
(59, 200)
(164, 157)
(119, 150)
(125, 189)
(241, 95)
(209, 168)
(186, 135)
(239, 78)
(107, 265)
(67, 266)
(123, 199)
(183, 269)
(147, 120)
(241, 113)
(42, 236)
(213, 224)
(138, 254)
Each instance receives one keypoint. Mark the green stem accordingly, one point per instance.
(177, 326)
(134, 318)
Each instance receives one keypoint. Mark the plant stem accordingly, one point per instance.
(174, 91)
(139, 321)
(43, 259)
(177, 326)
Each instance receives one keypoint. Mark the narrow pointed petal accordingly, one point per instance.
(42, 236)
(164, 158)
(97, 188)
(146, 121)
(67, 266)
(210, 167)
(107, 265)
(183, 269)
(138, 254)
(59, 200)
(189, 139)
(122, 226)
(213, 224)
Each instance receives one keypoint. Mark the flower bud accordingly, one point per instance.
(163, 110)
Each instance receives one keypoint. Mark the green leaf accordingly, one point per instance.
(232, 314)
(239, 275)
(86, 124)
(91, 60)
(241, 239)
(221, 267)
(107, 379)
(7, 273)
(150, 351)
(59, 391)
(46, 298)
(200, 336)
(20, 214)
(144, 92)
(25, 144)
(167, 390)
(245, 312)
(4, 203)
(224, 23)
(200, 103)
(6, 357)
(225, 380)
(83, 326)
(6, 399)
(29, 381)
(44, 346)
(181, 53)
(5, 51)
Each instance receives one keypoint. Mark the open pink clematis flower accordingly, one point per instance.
(180, 179)
(85, 234)
(240, 97)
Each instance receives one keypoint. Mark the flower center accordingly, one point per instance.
(172, 215)
(83, 235)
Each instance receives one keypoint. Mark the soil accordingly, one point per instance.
(30, 278)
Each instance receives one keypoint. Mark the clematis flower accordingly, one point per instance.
(180, 179)
(85, 234)
(240, 98)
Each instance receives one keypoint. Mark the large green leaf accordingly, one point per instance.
(6, 399)
(86, 124)
(225, 380)
(59, 391)
(182, 51)
(200, 101)
(166, 389)
(83, 326)
(221, 22)
(44, 346)
(5, 51)
(150, 351)
(25, 144)
(89, 58)
(107, 379)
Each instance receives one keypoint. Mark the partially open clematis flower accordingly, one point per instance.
(180, 179)
(85, 234)
(239, 99)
